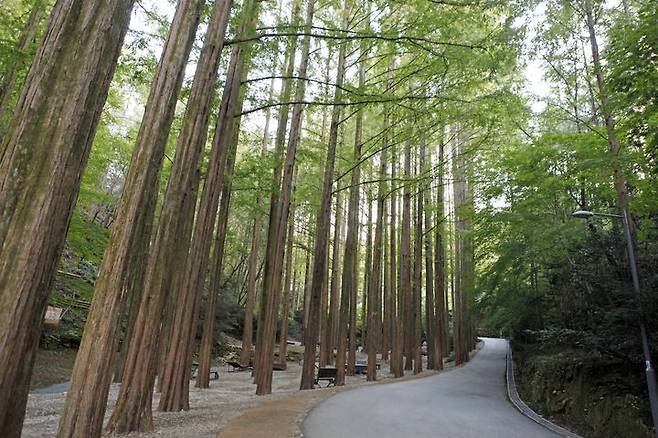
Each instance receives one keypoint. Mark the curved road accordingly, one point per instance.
(466, 402)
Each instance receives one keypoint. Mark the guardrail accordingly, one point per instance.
(513, 396)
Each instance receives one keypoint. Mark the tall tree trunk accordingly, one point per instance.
(374, 298)
(346, 320)
(405, 266)
(279, 208)
(42, 157)
(396, 291)
(326, 329)
(25, 40)
(132, 411)
(434, 357)
(440, 315)
(279, 146)
(418, 274)
(283, 329)
(613, 143)
(123, 263)
(322, 228)
(460, 268)
(176, 372)
(207, 339)
(248, 327)
(367, 270)
(332, 319)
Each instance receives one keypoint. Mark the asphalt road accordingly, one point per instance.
(465, 402)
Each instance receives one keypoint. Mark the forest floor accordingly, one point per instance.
(211, 409)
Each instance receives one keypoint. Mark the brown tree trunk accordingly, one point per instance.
(459, 188)
(25, 40)
(132, 411)
(322, 228)
(248, 328)
(374, 298)
(277, 229)
(329, 343)
(207, 339)
(279, 145)
(283, 328)
(406, 295)
(123, 262)
(42, 157)
(434, 357)
(396, 297)
(176, 371)
(613, 143)
(367, 270)
(440, 315)
(347, 320)
(418, 277)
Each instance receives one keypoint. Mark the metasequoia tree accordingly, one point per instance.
(132, 411)
(404, 278)
(350, 259)
(441, 346)
(123, 262)
(43, 154)
(252, 269)
(25, 40)
(462, 274)
(375, 286)
(367, 267)
(207, 338)
(279, 209)
(328, 340)
(322, 228)
(287, 286)
(417, 282)
(177, 363)
(433, 356)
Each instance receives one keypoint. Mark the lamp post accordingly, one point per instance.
(648, 371)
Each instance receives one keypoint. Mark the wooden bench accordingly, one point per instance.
(235, 366)
(327, 374)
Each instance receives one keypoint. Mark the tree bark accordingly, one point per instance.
(328, 344)
(374, 298)
(132, 411)
(123, 262)
(440, 315)
(279, 208)
(613, 143)
(347, 318)
(418, 274)
(176, 371)
(405, 266)
(207, 339)
(322, 228)
(283, 329)
(42, 157)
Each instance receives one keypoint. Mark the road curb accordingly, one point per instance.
(519, 404)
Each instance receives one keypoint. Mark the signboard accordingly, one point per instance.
(53, 316)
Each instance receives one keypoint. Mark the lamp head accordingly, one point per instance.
(582, 214)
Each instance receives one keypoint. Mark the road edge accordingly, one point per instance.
(513, 396)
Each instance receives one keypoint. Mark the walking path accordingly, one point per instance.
(463, 403)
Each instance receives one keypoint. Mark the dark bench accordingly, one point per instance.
(327, 374)
(235, 366)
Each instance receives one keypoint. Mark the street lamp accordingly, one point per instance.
(651, 377)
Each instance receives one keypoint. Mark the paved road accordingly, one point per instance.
(466, 402)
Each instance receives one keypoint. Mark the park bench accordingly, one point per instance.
(327, 374)
(235, 366)
(214, 372)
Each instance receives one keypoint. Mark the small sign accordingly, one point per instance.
(53, 316)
